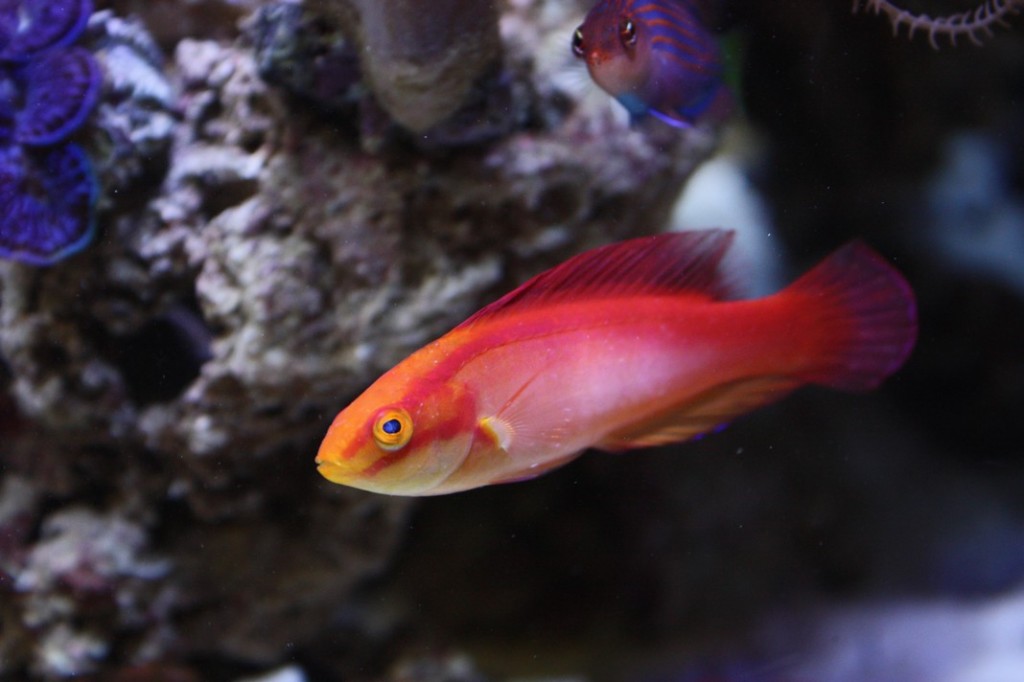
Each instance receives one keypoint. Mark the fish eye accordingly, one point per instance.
(577, 42)
(627, 32)
(392, 429)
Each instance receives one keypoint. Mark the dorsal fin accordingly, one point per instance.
(674, 262)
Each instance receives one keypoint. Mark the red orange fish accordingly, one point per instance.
(628, 345)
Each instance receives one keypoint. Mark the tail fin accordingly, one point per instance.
(868, 317)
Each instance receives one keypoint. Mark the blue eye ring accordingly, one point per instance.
(392, 429)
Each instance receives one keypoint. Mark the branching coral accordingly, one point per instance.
(47, 90)
(974, 24)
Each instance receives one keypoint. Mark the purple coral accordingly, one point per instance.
(27, 28)
(46, 201)
(47, 90)
(59, 88)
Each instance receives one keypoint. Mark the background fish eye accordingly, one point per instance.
(627, 32)
(577, 42)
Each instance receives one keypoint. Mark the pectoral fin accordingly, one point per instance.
(499, 431)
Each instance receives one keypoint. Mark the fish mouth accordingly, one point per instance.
(334, 472)
(348, 476)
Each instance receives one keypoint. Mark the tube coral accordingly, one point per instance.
(421, 59)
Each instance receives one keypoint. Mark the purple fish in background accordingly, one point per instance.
(655, 57)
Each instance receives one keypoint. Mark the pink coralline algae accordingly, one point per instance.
(48, 88)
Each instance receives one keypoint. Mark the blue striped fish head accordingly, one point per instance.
(610, 42)
(654, 56)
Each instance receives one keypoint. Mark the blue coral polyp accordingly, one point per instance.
(62, 87)
(47, 199)
(48, 88)
(28, 27)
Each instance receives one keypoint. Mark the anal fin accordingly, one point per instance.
(702, 414)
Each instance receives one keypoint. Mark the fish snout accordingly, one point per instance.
(334, 472)
(332, 465)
